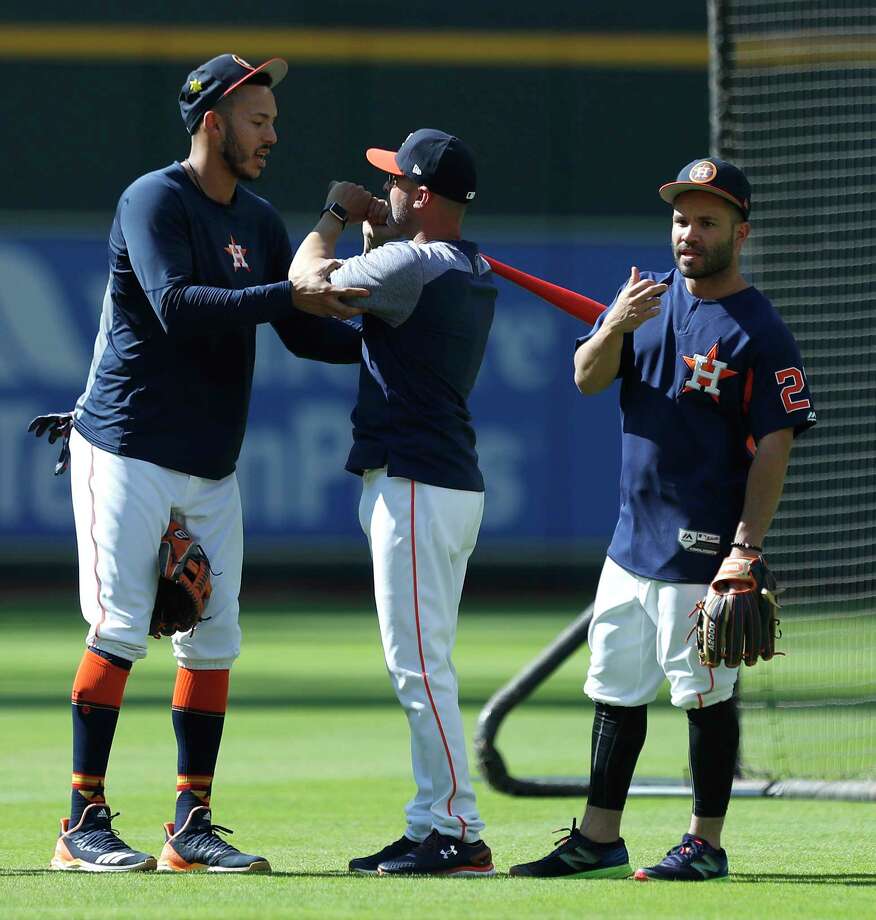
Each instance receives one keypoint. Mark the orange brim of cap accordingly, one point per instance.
(275, 68)
(384, 160)
(672, 190)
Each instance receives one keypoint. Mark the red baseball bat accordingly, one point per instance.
(576, 304)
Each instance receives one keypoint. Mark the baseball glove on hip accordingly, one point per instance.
(737, 621)
(183, 583)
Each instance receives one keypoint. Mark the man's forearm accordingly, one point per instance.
(195, 310)
(766, 479)
(597, 361)
(320, 339)
(318, 245)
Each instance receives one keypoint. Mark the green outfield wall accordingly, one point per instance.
(572, 108)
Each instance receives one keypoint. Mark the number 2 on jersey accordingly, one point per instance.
(791, 381)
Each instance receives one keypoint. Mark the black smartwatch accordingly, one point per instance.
(336, 210)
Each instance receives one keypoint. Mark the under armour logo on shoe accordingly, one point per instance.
(446, 854)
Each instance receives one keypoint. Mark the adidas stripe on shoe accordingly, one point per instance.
(93, 846)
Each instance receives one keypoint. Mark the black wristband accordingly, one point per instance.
(749, 546)
(336, 210)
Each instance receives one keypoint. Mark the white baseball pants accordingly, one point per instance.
(122, 506)
(641, 634)
(421, 537)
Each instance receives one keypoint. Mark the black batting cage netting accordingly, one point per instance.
(793, 98)
(793, 102)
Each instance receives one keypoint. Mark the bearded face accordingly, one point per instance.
(705, 234)
(249, 134)
(699, 260)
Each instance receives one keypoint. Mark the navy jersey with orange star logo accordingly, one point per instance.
(701, 384)
(190, 279)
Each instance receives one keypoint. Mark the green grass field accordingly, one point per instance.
(314, 769)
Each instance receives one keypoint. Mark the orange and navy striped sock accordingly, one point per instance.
(199, 702)
(98, 689)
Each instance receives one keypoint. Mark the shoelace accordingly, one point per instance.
(568, 833)
(212, 844)
(689, 849)
(101, 836)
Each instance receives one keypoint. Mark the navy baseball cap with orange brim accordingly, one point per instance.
(711, 175)
(221, 75)
(441, 162)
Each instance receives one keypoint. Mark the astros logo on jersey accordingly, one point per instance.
(238, 254)
(708, 372)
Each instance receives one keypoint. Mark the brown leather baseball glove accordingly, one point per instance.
(737, 620)
(183, 583)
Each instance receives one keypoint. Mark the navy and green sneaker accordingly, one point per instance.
(576, 856)
(693, 860)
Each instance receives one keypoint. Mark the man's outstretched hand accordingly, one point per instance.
(313, 293)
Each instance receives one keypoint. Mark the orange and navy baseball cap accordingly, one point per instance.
(221, 75)
(710, 174)
(441, 162)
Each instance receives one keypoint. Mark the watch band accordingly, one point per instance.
(747, 546)
(336, 210)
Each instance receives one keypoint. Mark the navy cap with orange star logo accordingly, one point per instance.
(218, 77)
(710, 174)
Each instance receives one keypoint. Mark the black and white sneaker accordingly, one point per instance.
(196, 847)
(93, 846)
(367, 865)
(442, 855)
(577, 856)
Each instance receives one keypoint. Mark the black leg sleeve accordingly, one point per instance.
(714, 745)
(618, 736)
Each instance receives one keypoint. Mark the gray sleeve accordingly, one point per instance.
(393, 273)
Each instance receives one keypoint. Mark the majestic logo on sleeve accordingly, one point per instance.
(707, 372)
(238, 254)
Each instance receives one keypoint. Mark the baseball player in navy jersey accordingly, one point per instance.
(424, 333)
(712, 394)
(196, 263)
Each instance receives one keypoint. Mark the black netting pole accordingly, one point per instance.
(719, 49)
